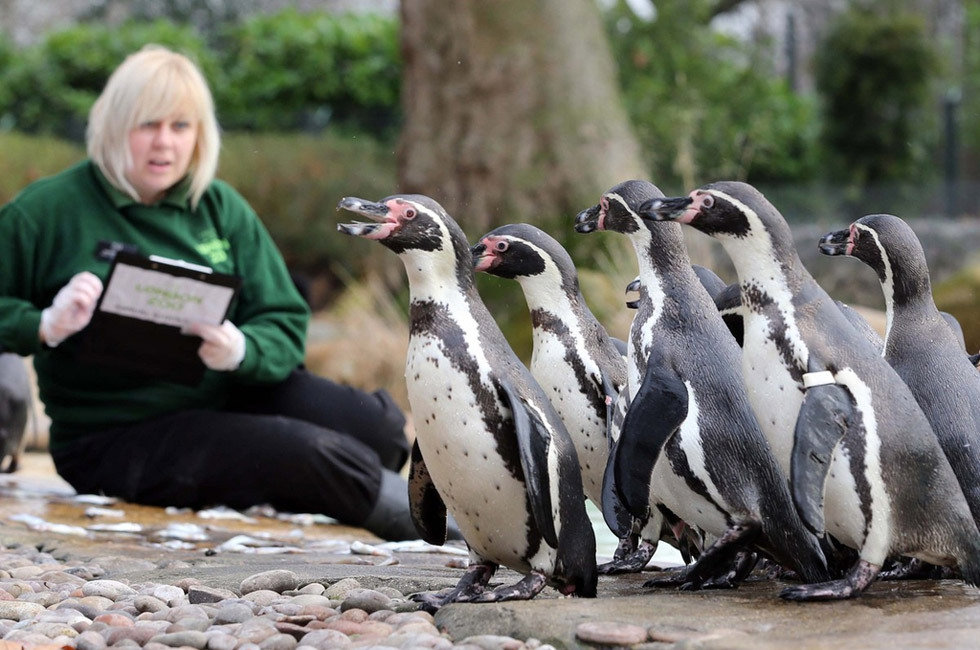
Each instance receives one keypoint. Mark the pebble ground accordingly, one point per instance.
(47, 604)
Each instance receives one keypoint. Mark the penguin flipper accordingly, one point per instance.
(655, 414)
(729, 304)
(607, 389)
(615, 514)
(823, 419)
(533, 442)
(620, 345)
(426, 505)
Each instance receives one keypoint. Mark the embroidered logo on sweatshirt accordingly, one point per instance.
(212, 247)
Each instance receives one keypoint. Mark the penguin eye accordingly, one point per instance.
(707, 201)
(501, 246)
(409, 213)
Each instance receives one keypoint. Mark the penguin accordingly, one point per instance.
(690, 441)
(16, 405)
(580, 367)
(490, 449)
(573, 357)
(920, 343)
(864, 464)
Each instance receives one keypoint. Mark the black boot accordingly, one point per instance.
(391, 519)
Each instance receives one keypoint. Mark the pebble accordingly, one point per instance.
(610, 633)
(44, 603)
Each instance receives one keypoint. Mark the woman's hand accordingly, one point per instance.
(72, 308)
(223, 347)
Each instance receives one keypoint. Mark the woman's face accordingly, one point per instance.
(162, 152)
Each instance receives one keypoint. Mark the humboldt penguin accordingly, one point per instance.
(16, 404)
(920, 344)
(690, 441)
(864, 464)
(576, 362)
(573, 357)
(490, 448)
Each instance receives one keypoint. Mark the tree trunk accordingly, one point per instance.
(512, 109)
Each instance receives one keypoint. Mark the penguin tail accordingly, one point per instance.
(796, 547)
(970, 565)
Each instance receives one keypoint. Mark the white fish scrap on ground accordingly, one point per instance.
(420, 546)
(330, 545)
(37, 523)
(185, 532)
(175, 545)
(222, 512)
(121, 527)
(95, 499)
(249, 544)
(95, 511)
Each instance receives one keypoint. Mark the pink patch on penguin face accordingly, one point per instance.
(851, 240)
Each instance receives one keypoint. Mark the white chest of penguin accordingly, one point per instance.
(488, 503)
(563, 386)
(776, 399)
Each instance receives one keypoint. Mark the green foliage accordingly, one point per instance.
(52, 86)
(291, 70)
(284, 71)
(294, 182)
(873, 73)
(705, 106)
(27, 158)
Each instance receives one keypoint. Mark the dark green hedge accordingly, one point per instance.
(284, 71)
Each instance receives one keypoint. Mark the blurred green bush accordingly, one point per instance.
(283, 71)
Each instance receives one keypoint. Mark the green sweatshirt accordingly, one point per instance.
(56, 227)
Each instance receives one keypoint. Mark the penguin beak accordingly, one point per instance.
(587, 221)
(664, 209)
(378, 212)
(836, 243)
(633, 287)
(483, 259)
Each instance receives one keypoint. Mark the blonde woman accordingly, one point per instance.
(257, 428)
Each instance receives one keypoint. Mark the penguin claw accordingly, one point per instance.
(632, 561)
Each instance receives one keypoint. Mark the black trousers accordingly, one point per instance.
(304, 445)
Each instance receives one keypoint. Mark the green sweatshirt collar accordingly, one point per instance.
(178, 196)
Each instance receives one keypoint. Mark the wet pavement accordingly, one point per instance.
(220, 548)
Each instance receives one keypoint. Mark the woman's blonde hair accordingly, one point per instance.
(152, 84)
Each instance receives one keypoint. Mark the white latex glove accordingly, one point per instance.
(72, 308)
(223, 347)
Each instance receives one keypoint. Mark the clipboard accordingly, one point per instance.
(136, 325)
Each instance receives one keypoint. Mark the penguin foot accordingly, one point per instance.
(677, 577)
(633, 562)
(775, 571)
(914, 569)
(526, 589)
(473, 583)
(860, 577)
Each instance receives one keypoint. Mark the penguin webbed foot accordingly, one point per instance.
(858, 580)
(527, 588)
(914, 569)
(472, 584)
(630, 561)
(695, 578)
(672, 577)
(773, 570)
(723, 564)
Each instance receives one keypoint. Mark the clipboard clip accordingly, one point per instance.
(181, 263)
